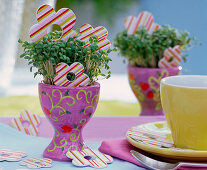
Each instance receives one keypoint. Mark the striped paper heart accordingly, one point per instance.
(32, 119)
(46, 16)
(144, 19)
(77, 69)
(99, 160)
(171, 57)
(37, 163)
(10, 156)
(149, 137)
(87, 31)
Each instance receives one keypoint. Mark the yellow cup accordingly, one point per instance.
(184, 101)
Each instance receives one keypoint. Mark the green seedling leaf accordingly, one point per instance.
(67, 112)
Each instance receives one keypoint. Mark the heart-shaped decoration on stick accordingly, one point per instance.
(101, 32)
(171, 57)
(71, 76)
(144, 19)
(46, 16)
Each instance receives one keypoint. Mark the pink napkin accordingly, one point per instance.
(119, 148)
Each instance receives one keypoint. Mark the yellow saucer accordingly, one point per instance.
(156, 138)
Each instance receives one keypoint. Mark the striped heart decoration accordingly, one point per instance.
(171, 57)
(37, 163)
(149, 137)
(46, 16)
(77, 69)
(144, 19)
(87, 31)
(10, 156)
(78, 158)
(26, 116)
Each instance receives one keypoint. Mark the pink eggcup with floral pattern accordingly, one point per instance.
(145, 84)
(68, 109)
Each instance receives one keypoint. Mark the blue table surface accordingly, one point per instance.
(12, 139)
